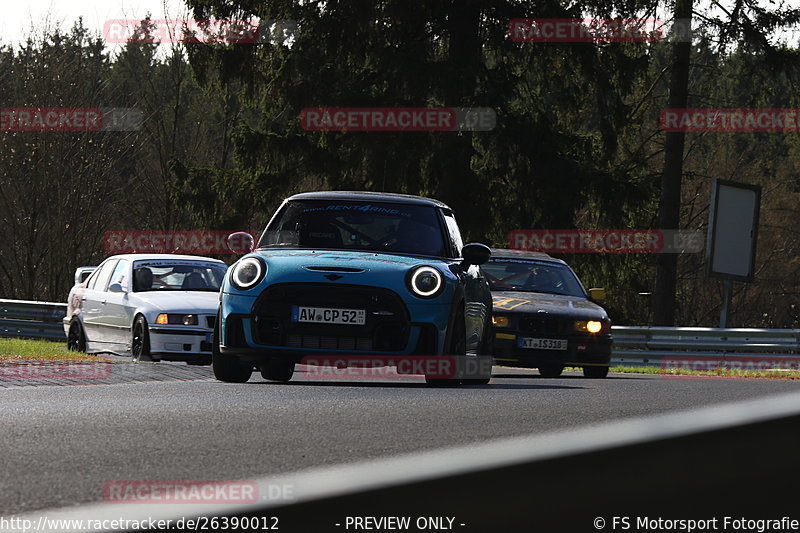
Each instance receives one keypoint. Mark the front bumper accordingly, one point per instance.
(582, 350)
(260, 327)
(180, 344)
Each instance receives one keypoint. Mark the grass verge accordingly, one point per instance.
(38, 350)
(717, 372)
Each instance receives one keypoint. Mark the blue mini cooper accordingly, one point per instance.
(354, 274)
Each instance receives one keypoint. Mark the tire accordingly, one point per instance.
(551, 370)
(487, 348)
(140, 342)
(457, 347)
(277, 370)
(227, 368)
(76, 339)
(597, 372)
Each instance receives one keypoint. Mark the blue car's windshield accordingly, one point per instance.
(531, 276)
(352, 225)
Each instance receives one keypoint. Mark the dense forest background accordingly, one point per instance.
(577, 143)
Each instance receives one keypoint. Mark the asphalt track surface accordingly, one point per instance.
(61, 441)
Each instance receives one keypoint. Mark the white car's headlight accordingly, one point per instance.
(248, 272)
(425, 282)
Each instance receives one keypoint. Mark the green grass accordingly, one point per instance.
(717, 372)
(42, 350)
(38, 350)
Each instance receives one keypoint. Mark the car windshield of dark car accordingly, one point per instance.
(352, 225)
(529, 276)
(177, 276)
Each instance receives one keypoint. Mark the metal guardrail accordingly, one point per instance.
(637, 345)
(32, 320)
(632, 344)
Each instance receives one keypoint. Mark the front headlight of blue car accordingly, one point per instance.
(425, 282)
(248, 272)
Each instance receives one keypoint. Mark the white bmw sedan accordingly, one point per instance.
(149, 306)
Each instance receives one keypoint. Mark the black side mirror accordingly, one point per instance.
(476, 253)
(240, 242)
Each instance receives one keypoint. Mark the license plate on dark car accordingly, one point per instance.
(542, 344)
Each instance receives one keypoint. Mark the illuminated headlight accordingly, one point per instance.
(425, 282)
(247, 273)
(500, 321)
(186, 320)
(592, 326)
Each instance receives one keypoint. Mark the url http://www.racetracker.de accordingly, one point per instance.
(202, 523)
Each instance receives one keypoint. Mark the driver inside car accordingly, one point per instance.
(414, 237)
(142, 279)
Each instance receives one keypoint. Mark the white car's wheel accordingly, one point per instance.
(76, 339)
(140, 343)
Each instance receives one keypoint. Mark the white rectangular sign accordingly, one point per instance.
(732, 230)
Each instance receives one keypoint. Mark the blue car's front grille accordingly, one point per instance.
(386, 328)
(296, 340)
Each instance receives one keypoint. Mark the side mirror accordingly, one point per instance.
(597, 294)
(240, 242)
(476, 253)
(115, 287)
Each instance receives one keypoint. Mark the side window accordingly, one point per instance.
(100, 279)
(454, 233)
(120, 274)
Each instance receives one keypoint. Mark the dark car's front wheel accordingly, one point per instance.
(551, 370)
(595, 371)
(226, 367)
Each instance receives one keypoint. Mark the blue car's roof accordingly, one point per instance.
(365, 196)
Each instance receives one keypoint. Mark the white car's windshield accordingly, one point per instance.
(177, 276)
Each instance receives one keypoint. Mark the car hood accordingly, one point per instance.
(348, 267)
(339, 258)
(345, 268)
(179, 301)
(553, 304)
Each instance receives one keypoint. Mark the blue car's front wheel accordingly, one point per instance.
(487, 350)
(457, 347)
(278, 370)
(227, 368)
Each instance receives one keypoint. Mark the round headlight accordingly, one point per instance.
(247, 273)
(593, 326)
(426, 282)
